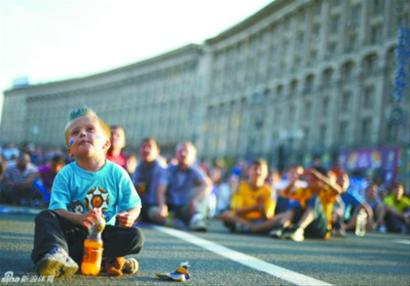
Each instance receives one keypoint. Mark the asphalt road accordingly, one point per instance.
(376, 259)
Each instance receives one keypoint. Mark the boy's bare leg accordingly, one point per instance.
(307, 218)
(283, 219)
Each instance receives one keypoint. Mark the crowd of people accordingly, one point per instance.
(95, 179)
(248, 198)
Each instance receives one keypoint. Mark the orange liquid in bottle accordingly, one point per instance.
(93, 250)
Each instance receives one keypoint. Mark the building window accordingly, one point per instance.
(309, 84)
(347, 72)
(370, 65)
(352, 29)
(291, 114)
(343, 126)
(377, 7)
(279, 91)
(356, 11)
(300, 43)
(322, 134)
(368, 96)
(336, 2)
(325, 106)
(327, 78)
(334, 24)
(366, 125)
(345, 104)
(392, 132)
(294, 88)
(308, 110)
(306, 134)
(331, 48)
(376, 33)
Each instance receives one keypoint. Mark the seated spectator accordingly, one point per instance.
(18, 180)
(11, 152)
(47, 174)
(397, 210)
(252, 207)
(354, 200)
(306, 216)
(343, 181)
(283, 202)
(374, 201)
(188, 188)
(150, 182)
(220, 197)
(118, 143)
(329, 189)
(49, 170)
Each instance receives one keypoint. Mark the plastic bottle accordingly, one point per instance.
(93, 249)
(361, 222)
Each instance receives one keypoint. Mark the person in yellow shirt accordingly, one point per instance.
(252, 205)
(397, 206)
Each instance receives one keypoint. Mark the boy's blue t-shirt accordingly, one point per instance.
(79, 190)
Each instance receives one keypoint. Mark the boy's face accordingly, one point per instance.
(257, 173)
(86, 138)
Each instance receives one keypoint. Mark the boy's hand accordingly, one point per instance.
(125, 219)
(90, 217)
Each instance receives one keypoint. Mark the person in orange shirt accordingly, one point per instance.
(306, 215)
(252, 205)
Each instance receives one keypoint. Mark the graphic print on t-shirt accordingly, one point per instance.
(97, 198)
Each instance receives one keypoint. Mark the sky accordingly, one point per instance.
(49, 40)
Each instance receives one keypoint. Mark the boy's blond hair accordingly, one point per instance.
(85, 111)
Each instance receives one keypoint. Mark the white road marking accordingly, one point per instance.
(403, 241)
(247, 260)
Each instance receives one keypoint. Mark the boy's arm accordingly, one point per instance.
(75, 218)
(85, 220)
(335, 187)
(129, 203)
(128, 218)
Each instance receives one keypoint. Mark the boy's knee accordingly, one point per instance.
(45, 214)
(137, 240)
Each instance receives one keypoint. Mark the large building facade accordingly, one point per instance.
(299, 78)
(157, 97)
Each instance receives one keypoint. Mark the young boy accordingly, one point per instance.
(252, 206)
(88, 187)
(306, 215)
